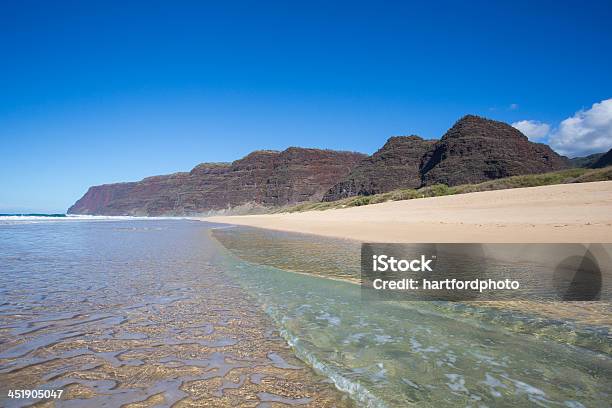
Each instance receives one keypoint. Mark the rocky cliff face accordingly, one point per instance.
(395, 165)
(473, 150)
(306, 174)
(476, 149)
(263, 178)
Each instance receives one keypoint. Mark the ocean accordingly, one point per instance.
(156, 312)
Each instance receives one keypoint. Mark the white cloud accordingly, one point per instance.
(513, 106)
(588, 131)
(533, 129)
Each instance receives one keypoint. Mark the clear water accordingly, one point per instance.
(159, 313)
(138, 313)
(419, 353)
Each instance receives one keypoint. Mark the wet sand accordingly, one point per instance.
(139, 314)
(560, 213)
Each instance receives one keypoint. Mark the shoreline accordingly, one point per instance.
(565, 213)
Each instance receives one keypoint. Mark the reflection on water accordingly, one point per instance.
(331, 258)
(138, 313)
(340, 260)
(425, 353)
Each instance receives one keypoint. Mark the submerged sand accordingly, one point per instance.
(551, 214)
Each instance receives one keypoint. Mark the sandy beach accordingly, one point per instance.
(559, 213)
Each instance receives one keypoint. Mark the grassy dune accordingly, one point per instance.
(575, 175)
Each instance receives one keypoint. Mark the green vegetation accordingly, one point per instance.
(575, 175)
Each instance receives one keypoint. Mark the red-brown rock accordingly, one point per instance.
(476, 149)
(395, 165)
(261, 179)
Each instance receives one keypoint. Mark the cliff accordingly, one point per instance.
(395, 165)
(261, 179)
(476, 149)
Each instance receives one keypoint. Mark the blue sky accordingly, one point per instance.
(98, 92)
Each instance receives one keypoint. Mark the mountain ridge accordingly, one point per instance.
(477, 149)
(473, 150)
(263, 178)
(399, 156)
